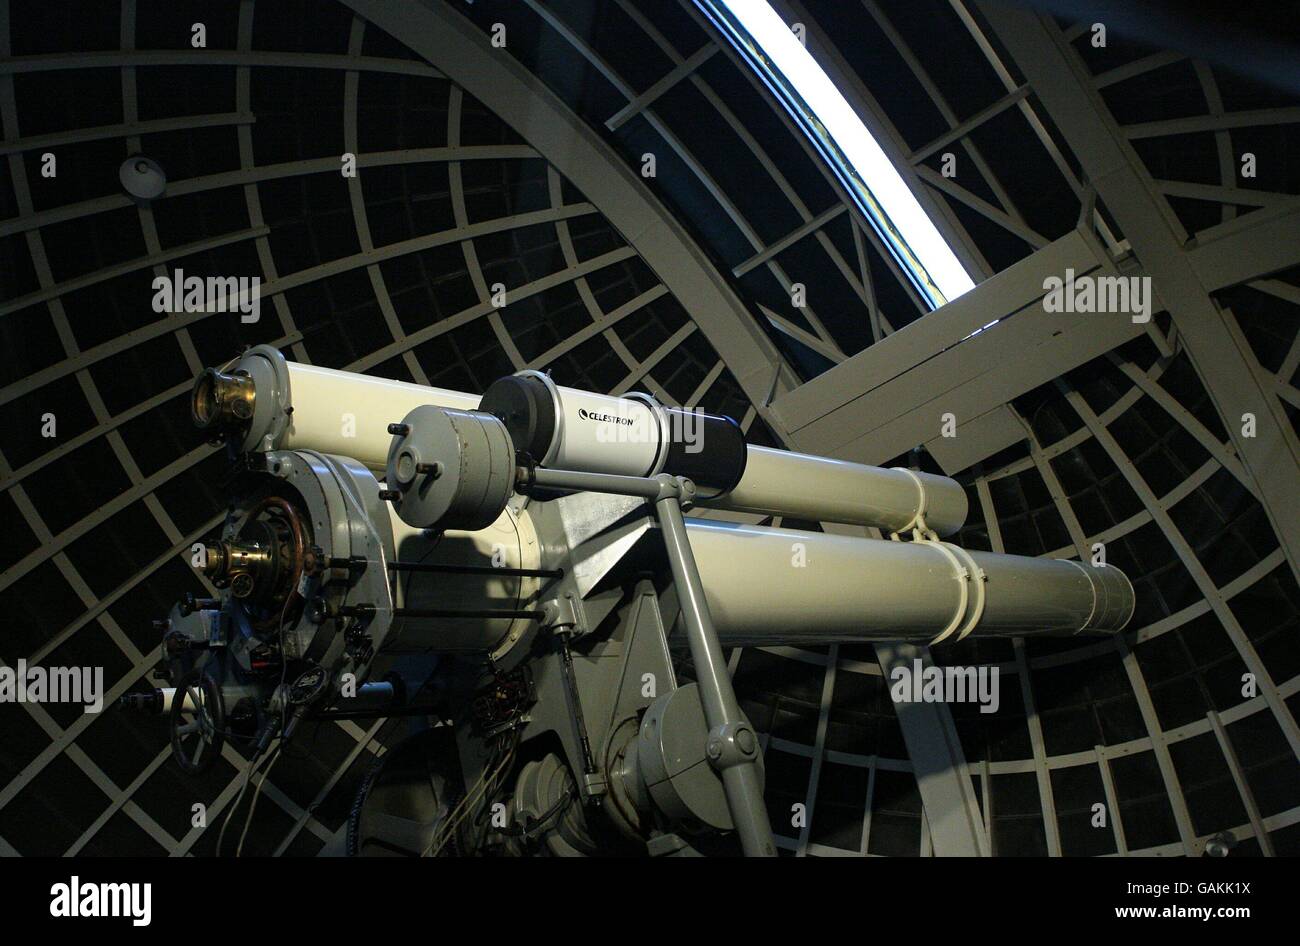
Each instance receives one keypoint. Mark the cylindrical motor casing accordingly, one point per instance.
(509, 542)
(450, 468)
(785, 586)
(820, 489)
(340, 500)
(300, 406)
(567, 429)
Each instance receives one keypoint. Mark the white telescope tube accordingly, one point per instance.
(291, 406)
(348, 414)
(277, 404)
(819, 489)
(783, 586)
(566, 429)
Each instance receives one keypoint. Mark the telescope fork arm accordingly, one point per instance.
(732, 745)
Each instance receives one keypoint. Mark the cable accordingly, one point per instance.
(257, 793)
(238, 798)
(558, 807)
(477, 822)
(385, 728)
(252, 764)
(284, 665)
(447, 829)
(248, 776)
(491, 772)
(484, 810)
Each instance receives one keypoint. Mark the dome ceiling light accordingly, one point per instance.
(142, 178)
(781, 60)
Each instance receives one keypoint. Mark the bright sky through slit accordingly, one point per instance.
(857, 143)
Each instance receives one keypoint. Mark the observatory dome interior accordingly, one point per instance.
(664, 218)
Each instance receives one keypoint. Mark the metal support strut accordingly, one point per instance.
(732, 744)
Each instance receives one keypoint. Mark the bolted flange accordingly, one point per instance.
(731, 744)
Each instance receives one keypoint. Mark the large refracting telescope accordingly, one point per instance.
(517, 570)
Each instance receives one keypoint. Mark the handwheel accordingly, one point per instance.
(197, 731)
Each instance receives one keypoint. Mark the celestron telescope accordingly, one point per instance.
(517, 569)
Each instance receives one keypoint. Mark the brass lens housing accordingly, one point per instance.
(222, 401)
(227, 562)
(262, 564)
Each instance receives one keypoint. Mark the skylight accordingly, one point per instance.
(792, 73)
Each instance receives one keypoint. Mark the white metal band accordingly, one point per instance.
(918, 517)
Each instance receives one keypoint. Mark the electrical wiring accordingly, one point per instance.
(257, 793)
(447, 830)
(484, 788)
(480, 819)
(248, 777)
(558, 807)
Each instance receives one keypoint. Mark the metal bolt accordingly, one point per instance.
(745, 739)
(389, 495)
(404, 468)
(432, 469)
(715, 749)
(242, 585)
(399, 430)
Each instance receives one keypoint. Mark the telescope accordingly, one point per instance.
(518, 570)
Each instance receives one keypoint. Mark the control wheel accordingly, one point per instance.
(197, 723)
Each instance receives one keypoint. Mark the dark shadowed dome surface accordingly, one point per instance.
(1134, 441)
